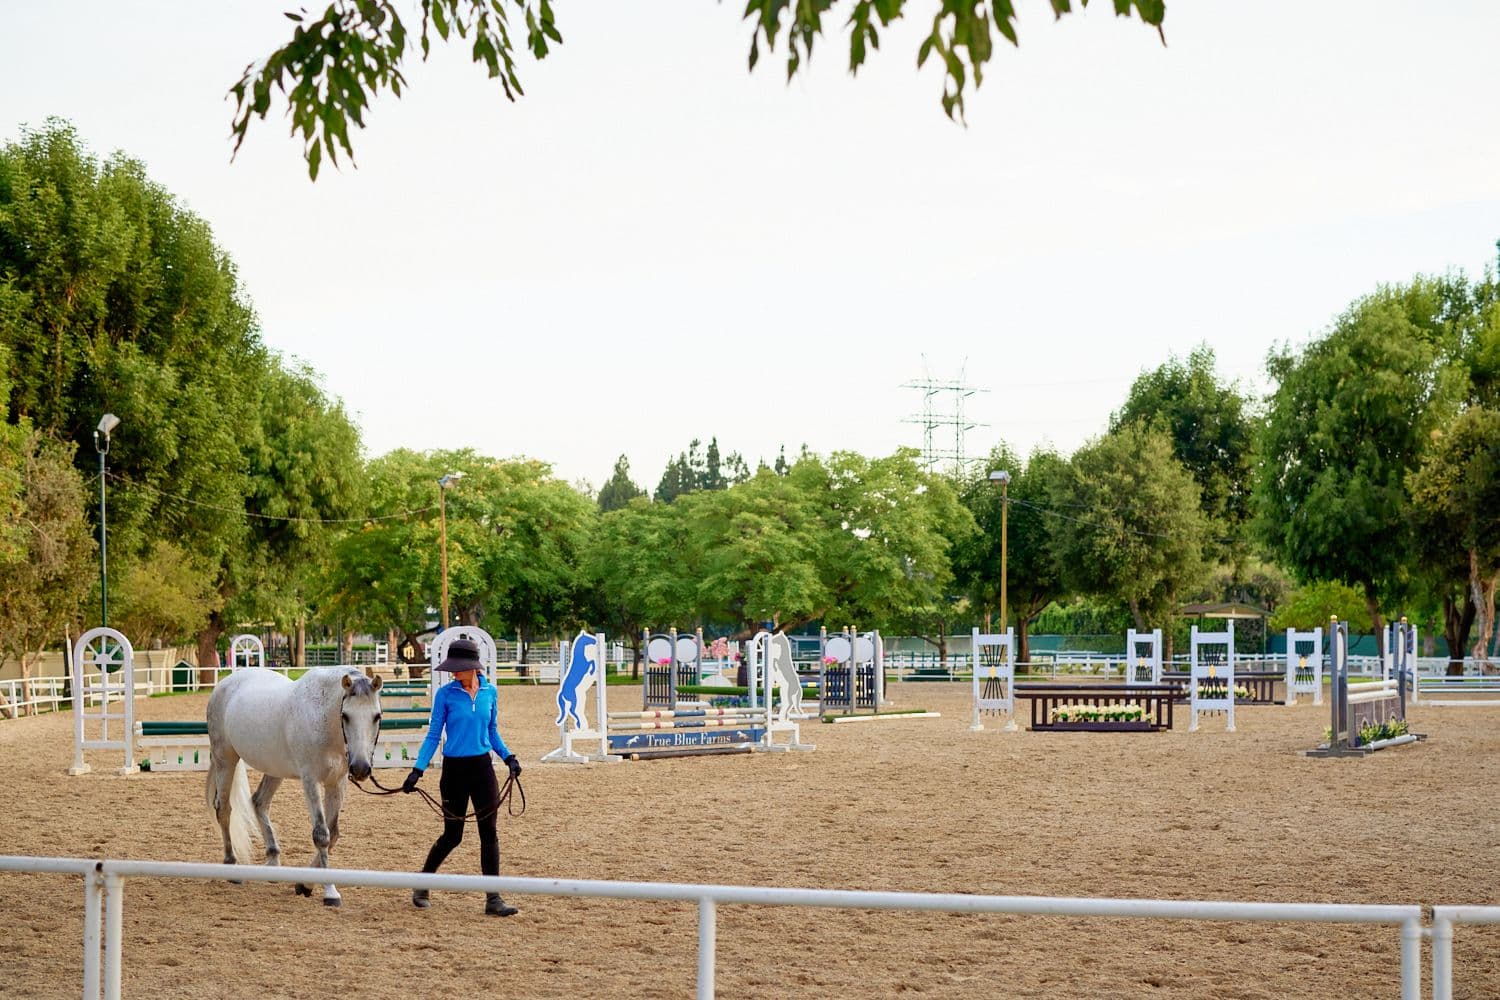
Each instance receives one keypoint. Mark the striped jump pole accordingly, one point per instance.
(739, 720)
(687, 713)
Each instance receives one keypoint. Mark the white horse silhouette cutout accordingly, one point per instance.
(782, 672)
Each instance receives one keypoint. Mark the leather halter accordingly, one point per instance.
(344, 732)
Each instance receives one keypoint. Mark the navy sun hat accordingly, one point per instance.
(463, 654)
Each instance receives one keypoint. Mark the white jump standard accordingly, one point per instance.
(581, 742)
(673, 660)
(994, 681)
(1211, 677)
(97, 654)
(1304, 665)
(1400, 652)
(1143, 658)
(246, 650)
(851, 671)
(769, 664)
(771, 669)
(437, 652)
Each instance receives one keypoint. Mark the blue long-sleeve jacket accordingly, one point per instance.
(472, 724)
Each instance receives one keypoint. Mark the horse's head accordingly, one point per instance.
(586, 652)
(359, 716)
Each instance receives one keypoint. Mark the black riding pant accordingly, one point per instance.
(468, 780)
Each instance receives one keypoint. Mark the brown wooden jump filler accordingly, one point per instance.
(1155, 701)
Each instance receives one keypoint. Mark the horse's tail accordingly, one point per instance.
(242, 829)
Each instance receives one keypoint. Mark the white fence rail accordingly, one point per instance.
(1096, 666)
(53, 694)
(1107, 666)
(50, 694)
(104, 888)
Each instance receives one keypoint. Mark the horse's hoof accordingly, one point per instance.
(302, 890)
(332, 901)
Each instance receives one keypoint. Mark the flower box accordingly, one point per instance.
(1134, 726)
(1090, 712)
(1217, 692)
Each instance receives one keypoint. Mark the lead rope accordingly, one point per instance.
(512, 785)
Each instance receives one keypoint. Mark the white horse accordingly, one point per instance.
(318, 729)
(782, 672)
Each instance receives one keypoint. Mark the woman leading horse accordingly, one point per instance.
(465, 718)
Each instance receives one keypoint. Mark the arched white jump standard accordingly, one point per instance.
(246, 651)
(98, 654)
(1304, 665)
(1212, 676)
(488, 655)
(994, 682)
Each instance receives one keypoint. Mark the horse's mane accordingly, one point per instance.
(330, 679)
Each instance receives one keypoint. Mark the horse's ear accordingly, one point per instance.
(376, 682)
(348, 682)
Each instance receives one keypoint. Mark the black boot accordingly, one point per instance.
(494, 906)
(420, 899)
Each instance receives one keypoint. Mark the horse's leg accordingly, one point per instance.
(224, 760)
(262, 801)
(310, 791)
(333, 804)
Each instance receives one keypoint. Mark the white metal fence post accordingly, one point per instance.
(707, 942)
(1442, 957)
(92, 883)
(114, 900)
(1411, 960)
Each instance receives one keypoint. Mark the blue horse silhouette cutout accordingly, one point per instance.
(583, 664)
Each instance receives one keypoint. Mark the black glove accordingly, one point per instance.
(514, 765)
(410, 784)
